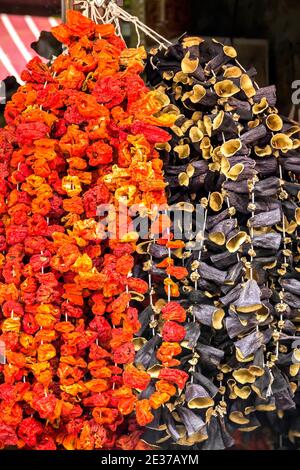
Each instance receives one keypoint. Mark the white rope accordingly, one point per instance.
(169, 256)
(151, 292)
(285, 260)
(252, 199)
(202, 241)
(227, 198)
(113, 14)
(269, 392)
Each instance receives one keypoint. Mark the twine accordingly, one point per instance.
(284, 255)
(169, 255)
(113, 13)
(202, 242)
(269, 392)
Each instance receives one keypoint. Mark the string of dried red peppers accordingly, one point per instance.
(80, 133)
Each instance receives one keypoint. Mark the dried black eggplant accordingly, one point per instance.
(232, 154)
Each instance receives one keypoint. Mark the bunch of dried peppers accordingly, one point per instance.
(80, 134)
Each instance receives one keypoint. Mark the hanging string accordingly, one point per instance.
(285, 262)
(245, 71)
(151, 284)
(112, 13)
(169, 256)
(269, 392)
(151, 292)
(228, 201)
(201, 237)
(196, 276)
(252, 206)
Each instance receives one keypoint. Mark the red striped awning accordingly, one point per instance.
(16, 35)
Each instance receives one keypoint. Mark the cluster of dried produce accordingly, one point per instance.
(79, 134)
(235, 157)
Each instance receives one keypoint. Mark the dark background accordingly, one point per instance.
(275, 21)
(30, 7)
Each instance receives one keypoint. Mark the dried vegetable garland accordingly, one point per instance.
(232, 154)
(80, 133)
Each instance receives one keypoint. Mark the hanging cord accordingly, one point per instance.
(228, 201)
(169, 255)
(269, 391)
(252, 207)
(152, 285)
(151, 292)
(195, 275)
(113, 14)
(282, 305)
